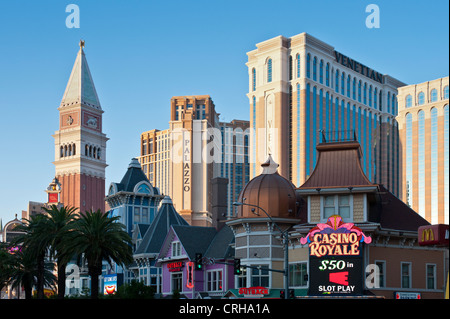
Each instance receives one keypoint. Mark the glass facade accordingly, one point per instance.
(409, 160)
(434, 166)
(446, 163)
(421, 161)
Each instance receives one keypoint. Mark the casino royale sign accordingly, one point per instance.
(358, 67)
(335, 258)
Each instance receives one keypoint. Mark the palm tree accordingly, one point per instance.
(25, 272)
(99, 237)
(60, 223)
(36, 242)
(7, 263)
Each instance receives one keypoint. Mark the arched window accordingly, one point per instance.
(61, 152)
(446, 92)
(375, 98)
(298, 65)
(74, 152)
(70, 150)
(308, 65)
(94, 152)
(359, 91)
(370, 95)
(354, 88)
(253, 79)
(321, 72)
(327, 75)
(99, 153)
(90, 151)
(408, 101)
(65, 150)
(315, 69)
(409, 160)
(434, 95)
(342, 83)
(269, 70)
(86, 150)
(337, 81)
(421, 98)
(290, 67)
(365, 93)
(348, 85)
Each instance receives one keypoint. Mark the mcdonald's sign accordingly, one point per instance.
(433, 235)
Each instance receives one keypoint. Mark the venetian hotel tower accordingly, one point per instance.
(302, 92)
(80, 145)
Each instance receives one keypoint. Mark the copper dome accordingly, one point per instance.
(270, 191)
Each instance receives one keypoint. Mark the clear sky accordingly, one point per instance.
(141, 53)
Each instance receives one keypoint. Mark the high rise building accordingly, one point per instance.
(423, 120)
(80, 144)
(182, 161)
(302, 92)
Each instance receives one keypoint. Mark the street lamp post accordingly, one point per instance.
(284, 234)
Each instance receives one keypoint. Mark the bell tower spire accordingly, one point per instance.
(80, 144)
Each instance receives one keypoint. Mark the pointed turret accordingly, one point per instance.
(80, 88)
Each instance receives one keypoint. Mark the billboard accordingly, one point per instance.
(110, 284)
(336, 258)
(433, 235)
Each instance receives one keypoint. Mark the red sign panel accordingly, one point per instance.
(254, 291)
(175, 266)
(53, 197)
(433, 235)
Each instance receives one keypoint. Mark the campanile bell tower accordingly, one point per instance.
(80, 145)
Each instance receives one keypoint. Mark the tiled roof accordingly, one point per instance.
(338, 165)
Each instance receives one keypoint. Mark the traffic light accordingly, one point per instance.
(198, 261)
(237, 266)
(282, 294)
(291, 294)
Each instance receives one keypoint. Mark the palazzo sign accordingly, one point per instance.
(358, 67)
(336, 258)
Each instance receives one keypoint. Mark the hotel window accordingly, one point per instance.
(421, 161)
(290, 67)
(342, 83)
(359, 91)
(336, 205)
(253, 79)
(408, 101)
(298, 65)
(308, 65)
(434, 95)
(260, 277)
(370, 95)
(337, 82)
(434, 166)
(348, 85)
(446, 163)
(214, 280)
(298, 274)
(327, 75)
(446, 92)
(269, 70)
(176, 249)
(375, 98)
(315, 69)
(421, 98)
(321, 72)
(431, 276)
(406, 275)
(354, 88)
(389, 102)
(365, 93)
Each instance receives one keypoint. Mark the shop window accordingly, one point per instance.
(260, 277)
(214, 280)
(298, 274)
(177, 282)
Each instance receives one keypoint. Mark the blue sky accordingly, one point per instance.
(141, 53)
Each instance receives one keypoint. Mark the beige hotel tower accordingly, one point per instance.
(302, 91)
(185, 160)
(423, 119)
